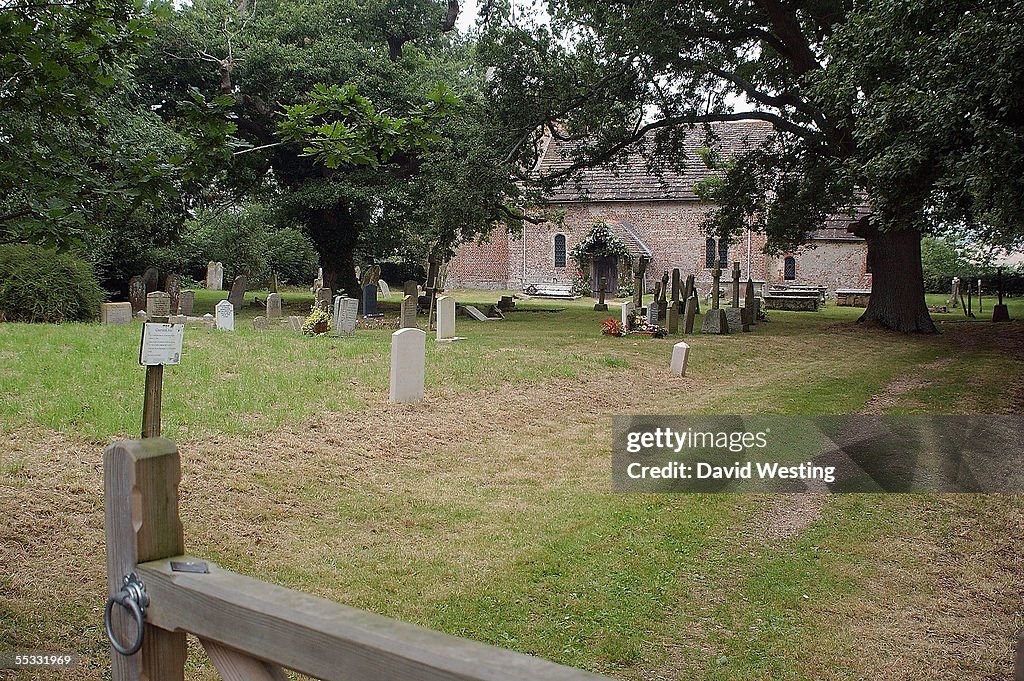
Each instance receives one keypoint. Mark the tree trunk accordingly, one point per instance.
(897, 280)
(335, 242)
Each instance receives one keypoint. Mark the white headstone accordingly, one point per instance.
(383, 287)
(408, 354)
(445, 317)
(225, 315)
(627, 309)
(345, 318)
(680, 354)
(274, 306)
(116, 313)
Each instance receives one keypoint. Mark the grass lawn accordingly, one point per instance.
(486, 511)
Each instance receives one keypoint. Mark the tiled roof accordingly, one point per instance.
(838, 224)
(629, 179)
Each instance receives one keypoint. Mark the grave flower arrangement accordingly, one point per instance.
(612, 327)
(317, 323)
(637, 326)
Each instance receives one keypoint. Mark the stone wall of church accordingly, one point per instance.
(672, 231)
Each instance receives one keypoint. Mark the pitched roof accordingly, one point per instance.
(628, 178)
(837, 226)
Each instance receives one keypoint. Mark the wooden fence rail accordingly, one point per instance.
(249, 628)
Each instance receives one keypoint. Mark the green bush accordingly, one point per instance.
(291, 254)
(41, 285)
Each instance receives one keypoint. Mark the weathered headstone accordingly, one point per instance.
(663, 298)
(638, 282)
(273, 283)
(688, 289)
(385, 290)
(750, 303)
(323, 298)
(172, 284)
(652, 312)
(137, 293)
(601, 306)
(676, 288)
(445, 317)
(115, 313)
(506, 304)
(680, 355)
(734, 317)
(627, 309)
(260, 323)
(672, 316)
(345, 315)
(736, 284)
(412, 288)
(954, 298)
(408, 316)
(370, 300)
(295, 322)
(274, 306)
(215, 276)
(177, 319)
(408, 355)
(151, 278)
(225, 312)
(141, 314)
(237, 294)
(187, 302)
(714, 320)
(158, 304)
(690, 313)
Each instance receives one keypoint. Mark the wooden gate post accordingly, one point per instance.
(140, 489)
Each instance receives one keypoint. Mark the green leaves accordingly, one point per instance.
(339, 127)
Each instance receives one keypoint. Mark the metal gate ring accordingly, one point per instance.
(127, 602)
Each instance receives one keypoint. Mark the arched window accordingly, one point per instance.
(709, 253)
(789, 268)
(559, 250)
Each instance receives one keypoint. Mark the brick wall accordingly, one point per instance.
(835, 264)
(671, 229)
(481, 265)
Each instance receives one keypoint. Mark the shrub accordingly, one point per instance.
(291, 254)
(41, 285)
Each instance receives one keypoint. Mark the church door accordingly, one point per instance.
(608, 267)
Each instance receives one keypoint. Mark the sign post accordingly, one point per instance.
(161, 344)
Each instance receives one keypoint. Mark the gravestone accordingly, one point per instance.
(638, 282)
(137, 293)
(672, 316)
(736, 284)
(690, 314)
(295, 322)
(734, 317)
(151, 278)
(680, 355)
(370, 301)
(260, 323)
(215, 276)
(177, 319)
(273, 283)
(627, 309)
(411, 288)
(445, 317)
(385, 290)
(274, 306)
(664, 289)
(237, 294)
(172, 284)
(345, 317)
(158, 304)
(652, 312)
(954, 298)
(323, 298)
(750, 302)
(688, 289)
(676, 290)
(187, 302)
(408, 315)
(601, 306)
(141, 314)
(715, 321)
(225, 314)
(115, 313)
(319, 281)
(506, 304)
(408, 355)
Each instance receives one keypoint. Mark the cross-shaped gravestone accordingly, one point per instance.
(736, 284)
(601, 306)
(716, 277)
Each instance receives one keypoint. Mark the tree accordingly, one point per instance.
(912, 108)
(338, 111)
